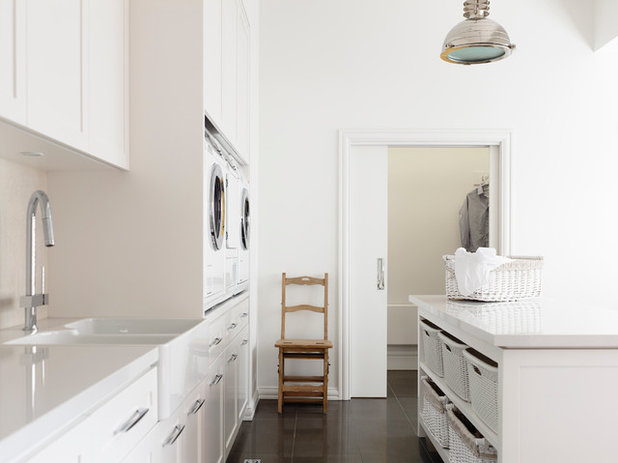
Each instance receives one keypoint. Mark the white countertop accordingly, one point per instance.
(45, 388)
(528, 324)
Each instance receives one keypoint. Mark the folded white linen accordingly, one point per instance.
(472, 268)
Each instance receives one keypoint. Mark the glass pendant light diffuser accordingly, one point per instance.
(477, 39)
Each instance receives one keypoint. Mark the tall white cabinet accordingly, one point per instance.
(65, 73)
(227, 57)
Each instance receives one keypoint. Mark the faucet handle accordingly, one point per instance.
(36, 300)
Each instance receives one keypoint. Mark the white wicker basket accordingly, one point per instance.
(432, 347)
(520, 279)
(466, 444)
(523, 317)
(455, 367)
(433, 411)
(483, 381)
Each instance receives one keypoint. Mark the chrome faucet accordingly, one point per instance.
(32, 300)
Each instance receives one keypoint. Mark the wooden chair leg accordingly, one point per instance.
(281, 373)
(325, 390)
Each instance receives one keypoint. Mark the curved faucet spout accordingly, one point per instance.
(32, 300)
(40, 197)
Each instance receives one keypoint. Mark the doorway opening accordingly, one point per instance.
(438, 200)
(405, 197)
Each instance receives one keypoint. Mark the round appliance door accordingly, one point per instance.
(244, 220)
(217, 207)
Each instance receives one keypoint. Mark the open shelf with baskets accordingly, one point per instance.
(463, 406)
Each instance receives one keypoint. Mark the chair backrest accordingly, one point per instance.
(304, 280)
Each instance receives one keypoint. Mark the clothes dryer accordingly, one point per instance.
(243, 250)
(214, 225)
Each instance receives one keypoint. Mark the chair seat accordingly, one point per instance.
(304, 344)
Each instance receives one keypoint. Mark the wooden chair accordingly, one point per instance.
(289, 388)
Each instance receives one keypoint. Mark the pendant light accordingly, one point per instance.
(477, 39)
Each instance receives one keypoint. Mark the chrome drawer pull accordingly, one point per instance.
(196, 406)
(135, 418)
(215, 342)
(232, 358)
(232, 326)
(244, 342)
(244, 314)
(216, 380)
(173, 437)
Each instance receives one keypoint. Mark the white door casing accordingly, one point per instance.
(499, 141)
(369, 249)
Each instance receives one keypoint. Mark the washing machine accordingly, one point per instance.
(243, 250)
(232, 230)
(215, 208)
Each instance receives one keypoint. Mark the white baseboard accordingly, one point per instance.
(402, 357)
(272, 392)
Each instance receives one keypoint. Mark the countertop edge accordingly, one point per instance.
(18, 446)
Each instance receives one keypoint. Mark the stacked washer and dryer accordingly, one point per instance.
(226, 226)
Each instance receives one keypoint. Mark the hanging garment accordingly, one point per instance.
(474, 221)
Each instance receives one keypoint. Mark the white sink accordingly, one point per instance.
(131, 326)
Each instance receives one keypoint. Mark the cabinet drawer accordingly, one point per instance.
(118, 426)
(217, 336)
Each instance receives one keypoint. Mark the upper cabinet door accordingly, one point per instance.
(55, 70)
(244, 79)
(107, 41)
(212, 59)
(229, 70)
(12, 77)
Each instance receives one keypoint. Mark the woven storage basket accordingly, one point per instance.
(432, 347)
(455, 367)
(520, 279)
(466, 444)
(483, 381)
(433, 411)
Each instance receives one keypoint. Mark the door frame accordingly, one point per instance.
(499, 140)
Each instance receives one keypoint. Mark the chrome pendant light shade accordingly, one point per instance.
(477, 39)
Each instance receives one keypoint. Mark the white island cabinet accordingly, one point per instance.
(65, 74)
(557, 375)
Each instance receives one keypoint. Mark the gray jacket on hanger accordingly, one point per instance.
(474, 221)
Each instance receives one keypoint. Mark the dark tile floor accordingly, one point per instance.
(355, 431)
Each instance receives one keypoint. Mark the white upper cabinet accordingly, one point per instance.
(227, 57)
(229, 67)
(107, 78)
(12, 81)
(64, 73)
(243, 45)
(55, 78)
(212, 59)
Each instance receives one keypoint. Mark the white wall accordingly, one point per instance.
(605, 22)
(353, 64)
(17, 183)
(426, 188)
(130, 243)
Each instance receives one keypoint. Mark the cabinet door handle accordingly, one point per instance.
(244, 314)
(132, 421)
(232, 326)
(173, 437)
(216, 380)
(244, 342)
(215, 342)
(196, 406)
(232, 358)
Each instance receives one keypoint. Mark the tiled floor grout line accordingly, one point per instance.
(294, 435)
(400, 406)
